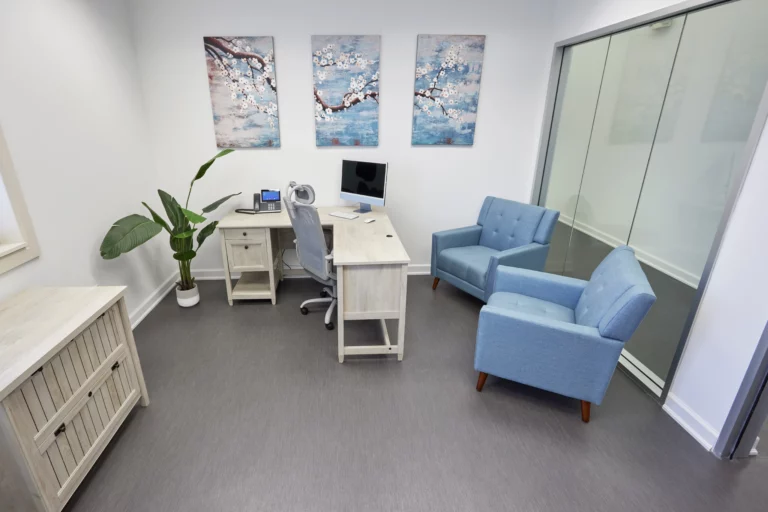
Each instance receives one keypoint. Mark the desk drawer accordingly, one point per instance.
(247, 255)
(255, 234)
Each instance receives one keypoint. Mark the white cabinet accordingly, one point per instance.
(69, 376)
(251, 252)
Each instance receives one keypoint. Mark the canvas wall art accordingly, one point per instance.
(447, 89)
(346, 90)
(241, 77)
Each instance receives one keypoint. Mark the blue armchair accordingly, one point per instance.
(507, 233)
(562, 334)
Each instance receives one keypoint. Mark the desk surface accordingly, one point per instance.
(354, 241)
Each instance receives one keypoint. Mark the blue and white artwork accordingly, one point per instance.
(241, 77)
(447, 89)
(345, 71)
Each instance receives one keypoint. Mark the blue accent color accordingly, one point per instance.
(505, 234)
(562, 334)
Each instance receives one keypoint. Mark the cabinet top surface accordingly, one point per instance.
(354, 241)
(38, 322)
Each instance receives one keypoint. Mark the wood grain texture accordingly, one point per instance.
(371, 289)
(37, 323)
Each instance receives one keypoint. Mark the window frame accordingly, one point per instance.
(13, 255)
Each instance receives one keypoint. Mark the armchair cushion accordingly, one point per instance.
(617, 297)
(508, 224)
(531, 306)
(467, 263)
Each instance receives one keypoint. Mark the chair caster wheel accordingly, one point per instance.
(329, 326)
(323, 293)
(304, 311)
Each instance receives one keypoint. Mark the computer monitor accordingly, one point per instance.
(365, 182)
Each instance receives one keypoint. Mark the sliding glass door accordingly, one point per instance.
(642, 152)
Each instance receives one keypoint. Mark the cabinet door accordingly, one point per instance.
(247, 255)
(66, 412)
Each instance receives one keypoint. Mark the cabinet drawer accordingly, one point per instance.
(255, 234)
(245, 255)
(67, 411)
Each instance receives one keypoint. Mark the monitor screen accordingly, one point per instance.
(270, 195)
(363, 178)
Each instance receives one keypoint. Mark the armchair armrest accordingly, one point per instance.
(562, 290)
(460, 237)
(570, 359)
(531, 256)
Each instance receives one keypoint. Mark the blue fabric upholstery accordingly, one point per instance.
(562, 334)
(469, 263)
(507, 233)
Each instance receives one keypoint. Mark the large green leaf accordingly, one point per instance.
(206, 232)
(185, 234)
(216, 204)
(126, 234)
(184, 256)
(194, 218)
(173, 210)
(157, 218)
(206, 165)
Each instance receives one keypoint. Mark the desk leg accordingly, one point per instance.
(401, 320)
(271, 242)
(340, 310)
(227, 276)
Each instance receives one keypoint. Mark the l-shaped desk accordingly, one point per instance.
(372, 267)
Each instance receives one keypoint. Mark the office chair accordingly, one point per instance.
(311, 245)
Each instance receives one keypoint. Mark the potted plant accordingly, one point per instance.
(130, 232)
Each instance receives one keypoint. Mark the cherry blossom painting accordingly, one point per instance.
(241, 77)
(345, 71)
(447, 89)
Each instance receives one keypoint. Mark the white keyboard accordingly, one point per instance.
(344, 215)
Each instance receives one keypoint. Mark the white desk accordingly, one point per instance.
(372, 267)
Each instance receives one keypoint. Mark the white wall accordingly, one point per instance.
(429, 188)
(733, 311)
(73, 119)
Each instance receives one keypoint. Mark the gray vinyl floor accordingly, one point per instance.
(251, 411)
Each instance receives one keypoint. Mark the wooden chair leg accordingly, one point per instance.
(481, 380)
(585, 410)
(434, 283)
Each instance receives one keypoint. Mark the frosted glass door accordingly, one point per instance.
(634, 84)
(716, 86)
(575, 106)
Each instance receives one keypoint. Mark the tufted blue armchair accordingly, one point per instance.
(507, 233)
(559, 333)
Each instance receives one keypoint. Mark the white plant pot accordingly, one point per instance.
(187, 298)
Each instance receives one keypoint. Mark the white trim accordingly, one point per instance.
(659, 264)
(694, 424)
(6, 249)
(639, 375)
(640, 366)
(419, 269)
(138, 314)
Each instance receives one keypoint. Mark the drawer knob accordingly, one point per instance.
(60, 430)
(245, 234)
(246, 247)
(90, 394)
(116, 366)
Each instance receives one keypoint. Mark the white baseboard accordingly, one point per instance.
(138, 314)
(641, 372)
(419, 269)
(694, 424)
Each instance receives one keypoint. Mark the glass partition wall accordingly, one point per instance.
(648, 126)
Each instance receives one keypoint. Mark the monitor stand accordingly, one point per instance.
(364, 208)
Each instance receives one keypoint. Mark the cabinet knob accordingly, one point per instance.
(60, 430)
(245, 234)
(246, 247)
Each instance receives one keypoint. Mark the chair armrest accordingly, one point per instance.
(570, 359)
(460, 237)
(562, 290)
(531, 256)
